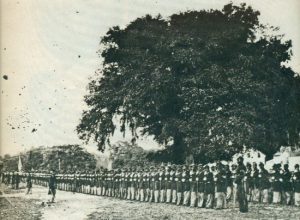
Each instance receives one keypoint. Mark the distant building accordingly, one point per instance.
(250, 156)
(284, 156)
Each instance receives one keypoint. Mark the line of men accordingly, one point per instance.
(194, 185)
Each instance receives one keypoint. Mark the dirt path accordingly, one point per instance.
(80, 206)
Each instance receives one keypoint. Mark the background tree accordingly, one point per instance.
(201, 82)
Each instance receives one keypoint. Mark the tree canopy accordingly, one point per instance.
(204, 83)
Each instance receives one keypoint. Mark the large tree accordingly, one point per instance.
(201, 82)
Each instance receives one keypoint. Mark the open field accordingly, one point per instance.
(16, 205)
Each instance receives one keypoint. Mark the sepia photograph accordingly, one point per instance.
(149, 109)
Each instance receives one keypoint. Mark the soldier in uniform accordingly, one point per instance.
(133, 180)
(13, 180)
(296, 185)
(264, 184)
(255, 191)
(146, 179)
(287, 185)
(241, 193)
(248, 182)
(162, 184)
(52, 185)
(151, 183)
(141, 185)
(234, 185)
(168, 184)
(229, 183)
(186, 185)
(156, 185)
(220, 182)
(129, 180)
(123, 183)
(173, 184)
(179, 189)
(29, 183)
(209, 187)
(193, 185)
(200, 186)
(276, 180)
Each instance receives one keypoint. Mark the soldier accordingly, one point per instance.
(168, 183)
(162, 184)
(133, 184)
(220, 182)
(287, 185)
(200, 186)
(186, 185)
(123, 184)
(52, 186)
(151, 183)
(109, 182)
(296, 185)
(255, 191)
(141, 185)
(193, 185)
(173, 184)
(105, 182)
(146, 179)
(17, 180)
(179, 189)
(229, 183)
(241, 193)
(276, 180)
(264, 184)
(248, 182)
(29, 183)
(156, 186)
(234, 185)
(13, 180)
(129, 180)
(209, 187)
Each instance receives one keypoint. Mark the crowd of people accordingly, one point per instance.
(219, 186)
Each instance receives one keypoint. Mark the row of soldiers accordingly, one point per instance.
(194, 185)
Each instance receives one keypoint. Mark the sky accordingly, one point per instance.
(49, 52)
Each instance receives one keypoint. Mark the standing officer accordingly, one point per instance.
(241, 193)
(52, 186)
(255, 191)
(29, 183)
(179, 189)
(264, 183)
(173, 183)
(156, 185)
(209, 187)
(248, 182)
(287, 185)
(296, 185)
(168, 184)
(276, 181)
(200, 186)
(186, 185)
(193, 185)
(162, 184)
(146, 179)
(220, 182)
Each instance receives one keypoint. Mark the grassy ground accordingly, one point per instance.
(17, 205)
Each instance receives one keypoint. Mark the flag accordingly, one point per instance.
(20, 164)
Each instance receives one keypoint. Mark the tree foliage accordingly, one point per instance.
(201, 82)
(130, 155)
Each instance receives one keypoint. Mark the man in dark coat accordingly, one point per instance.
(52, 185)
(287, 185)
(29, 183)
(241, 194)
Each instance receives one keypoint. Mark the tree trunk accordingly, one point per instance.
(178, 149)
